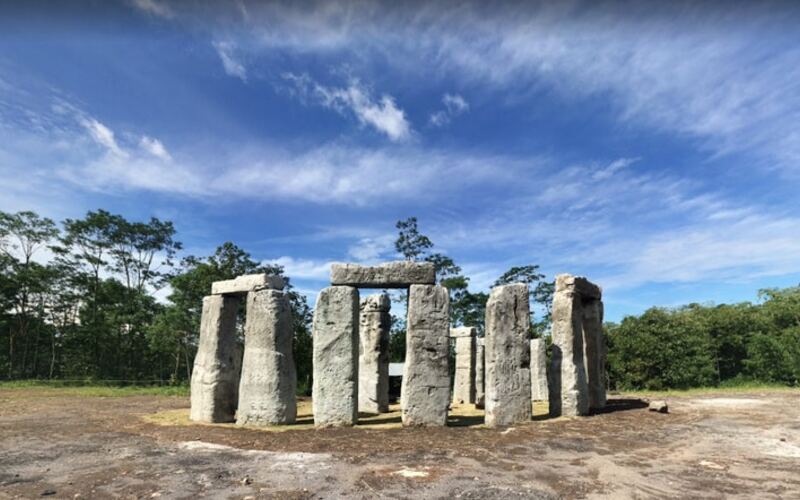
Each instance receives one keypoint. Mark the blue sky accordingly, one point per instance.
(654, 149)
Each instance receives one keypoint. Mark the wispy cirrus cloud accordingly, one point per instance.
(454, 105)
(230, 61)
(736, 94)
(155, 8)
(382, 114)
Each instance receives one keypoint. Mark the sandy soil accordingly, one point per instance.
(728, 445)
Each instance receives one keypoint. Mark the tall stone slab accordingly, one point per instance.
(425, 392)
(508, 377)
(373, 354)
(269, 380)
(464, 382)
(594, 352)
(480, 364)
(335, 338)
(215, 377)
(539, 391)
(569, 390)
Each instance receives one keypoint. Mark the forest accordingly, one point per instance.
(78, 303)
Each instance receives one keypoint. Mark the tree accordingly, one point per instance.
(21, 235)
(410, 243)
(660, 349)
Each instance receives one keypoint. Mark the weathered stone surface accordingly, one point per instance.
(269, 380)
(217, 365)
(539, 390)
(579, 285)
(243, 284)
(480, 398)
(373, 354)
(401, 274)
(569, 391)
(425, 393)
(464, 383)
(594, 352)
(335, 337)
(508, 356)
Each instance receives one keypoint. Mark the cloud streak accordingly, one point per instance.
(382, 114)
(226, 51)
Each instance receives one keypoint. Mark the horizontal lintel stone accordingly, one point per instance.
(247, 283)
(462, 331)
(400, 274)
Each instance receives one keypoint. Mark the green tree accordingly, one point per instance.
(660, 349)
(22, 235)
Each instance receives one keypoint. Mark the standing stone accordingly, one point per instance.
(538, 370)
(569, 391)
(464, 383)
(335, 337)
(217, 365)
(479, 374)
(425, 392)
(373, 354)
(508, 356)
(269, 380)
(595, 353)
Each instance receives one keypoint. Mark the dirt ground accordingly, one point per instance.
(709, 446)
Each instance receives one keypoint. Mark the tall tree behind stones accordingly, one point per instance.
(176, 329)
(414, 246)
(22, 235)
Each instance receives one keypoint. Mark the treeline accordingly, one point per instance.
(78, 301)
(703, 346)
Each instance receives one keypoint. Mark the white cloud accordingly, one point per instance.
(736, 93)
(230, 62)
(102, 135)
(454, 105)
(154, 7)
(304, 269)
(371, 250)
(155, 148)
(382, 114)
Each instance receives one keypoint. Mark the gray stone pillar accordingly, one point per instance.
(595, 352)
(508, 356)
(217, 365)
(269, 380)
(335, 337)
(464, 383)
(479, 374)
(539, 390)
(425, 393)
(373, 354)
(569, 390)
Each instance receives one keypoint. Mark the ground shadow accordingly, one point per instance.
(464, 420)
(620, 404)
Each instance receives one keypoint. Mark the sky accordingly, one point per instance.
(652, 147)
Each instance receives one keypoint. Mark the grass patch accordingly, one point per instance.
(89, 388)
(458, 416)
(738, 386)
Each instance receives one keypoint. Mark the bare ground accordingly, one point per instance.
(727, 445)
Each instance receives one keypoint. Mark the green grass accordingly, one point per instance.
(727, 387)
(91, 388)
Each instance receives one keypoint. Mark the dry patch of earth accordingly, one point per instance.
(743, 445)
